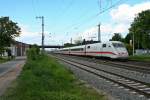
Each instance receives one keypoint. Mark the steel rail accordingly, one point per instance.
(121, 83)
(138, 68)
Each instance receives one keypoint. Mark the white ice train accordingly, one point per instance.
(111, 49)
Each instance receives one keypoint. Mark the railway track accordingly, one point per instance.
(124, 65)
(142, 88)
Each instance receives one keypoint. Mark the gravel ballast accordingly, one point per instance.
(119, 93)
(140, 76)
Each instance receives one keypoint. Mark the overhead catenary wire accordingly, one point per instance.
(77, 25)
(102, 11)
(99, 4)
(36, 11)
(66, 9)
(95, 16)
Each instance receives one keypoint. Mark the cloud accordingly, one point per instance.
(87, 34)
(121, 18)
(125, 13)
(92, 33)
(33, 37)
(28, 36)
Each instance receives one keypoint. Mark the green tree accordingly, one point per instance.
(128, 38)
(140, 27)
(8, 31)
(68, 45)
(117, 37)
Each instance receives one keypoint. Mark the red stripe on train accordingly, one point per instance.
(102, 53)
(96, 52)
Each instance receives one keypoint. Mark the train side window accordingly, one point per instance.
(104, 45)
(82, 49)
(88, 47)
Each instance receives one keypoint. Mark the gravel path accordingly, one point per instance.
(9, 71)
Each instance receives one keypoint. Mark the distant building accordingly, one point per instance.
(142, 51)
(18, 49)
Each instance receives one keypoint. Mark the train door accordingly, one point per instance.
(84, 50)
(100, 49)
(88, 50)
(104, 49)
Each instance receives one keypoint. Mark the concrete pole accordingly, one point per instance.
(133, 44)
(99, 32)
(42, 17)
(42, 33)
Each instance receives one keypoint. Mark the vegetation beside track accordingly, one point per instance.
(43, 78)
(2, 60)
(140, 58)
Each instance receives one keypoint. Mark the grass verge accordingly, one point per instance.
(140, 58)
(2, 60)
(46, 79)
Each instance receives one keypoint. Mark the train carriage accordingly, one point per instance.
(111, 49)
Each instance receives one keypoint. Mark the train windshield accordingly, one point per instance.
(118, 45)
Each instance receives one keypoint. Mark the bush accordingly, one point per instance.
(46, 79)
(43, 78)
(129, 48)
(2, 50)
(33, 52)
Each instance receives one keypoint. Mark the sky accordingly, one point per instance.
(76, 19)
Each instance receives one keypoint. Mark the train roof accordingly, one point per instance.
(82, 46)
(115, 41)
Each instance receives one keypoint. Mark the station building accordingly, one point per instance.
(18, 49)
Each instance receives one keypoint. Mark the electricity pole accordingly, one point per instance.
(99, 25)
(71, 40)
(99, 32)
(42, 18)
(133, 42)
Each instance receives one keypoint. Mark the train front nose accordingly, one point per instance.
(122, 53)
